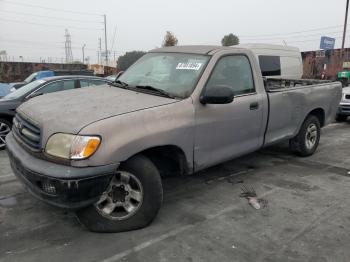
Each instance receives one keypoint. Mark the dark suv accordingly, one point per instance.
(9, 103)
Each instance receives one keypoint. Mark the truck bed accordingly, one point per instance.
(291, 100)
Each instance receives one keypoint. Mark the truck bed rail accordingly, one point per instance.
(274, 84)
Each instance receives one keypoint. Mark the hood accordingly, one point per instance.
(70, 111)
(8, 104)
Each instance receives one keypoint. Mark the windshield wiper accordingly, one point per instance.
(152, 88)
(119, 83)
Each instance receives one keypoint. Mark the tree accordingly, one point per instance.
(230, 40)
(169, 39)
(125, 61)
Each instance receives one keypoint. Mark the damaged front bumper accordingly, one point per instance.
(59, 185)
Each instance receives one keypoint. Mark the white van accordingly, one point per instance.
(277, 61)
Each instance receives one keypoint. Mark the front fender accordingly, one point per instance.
(126, 135)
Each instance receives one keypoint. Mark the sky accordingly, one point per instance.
(35, 29)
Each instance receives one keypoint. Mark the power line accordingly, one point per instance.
(50, 17)
(309, 40)
(49, 8)
(46, 25)
(292, 33)
(297, 36)
(48, 45)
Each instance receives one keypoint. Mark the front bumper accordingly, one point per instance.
(344, 109)
(59, 185)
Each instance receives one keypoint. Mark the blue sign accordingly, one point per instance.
(327, 43)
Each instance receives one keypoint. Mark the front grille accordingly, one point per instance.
(347, 97)
(345, 108)
(27, 132)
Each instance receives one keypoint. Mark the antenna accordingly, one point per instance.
(68, 47)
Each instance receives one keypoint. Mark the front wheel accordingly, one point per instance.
(131, 200)
(306, 142)
(5, 128)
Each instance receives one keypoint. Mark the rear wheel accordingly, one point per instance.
(341, 118)
(131, 200)
(5, 128)
(306, 142)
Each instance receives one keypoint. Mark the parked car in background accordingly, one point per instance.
(344, 107)
(114, 77)
(111, 78)
(49, 73)
(278, 61)
(6, 88)
(9, 103)
(176, 110)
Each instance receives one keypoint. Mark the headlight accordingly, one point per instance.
(72, 146)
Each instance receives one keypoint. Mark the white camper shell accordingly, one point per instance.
(277, 61)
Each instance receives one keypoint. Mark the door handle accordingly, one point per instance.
(254, 106)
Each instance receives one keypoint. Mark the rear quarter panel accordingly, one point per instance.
(290, 107)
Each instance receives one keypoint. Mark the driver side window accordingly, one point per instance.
(235, 72)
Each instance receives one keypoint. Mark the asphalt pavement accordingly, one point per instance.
(305, 214)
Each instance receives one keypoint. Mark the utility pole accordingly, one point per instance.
(99, 51)
(345, 24)
(83, 53)
(106, 50)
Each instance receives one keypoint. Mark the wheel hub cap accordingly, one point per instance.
(123, 197)
(311, 136)
(119, 193)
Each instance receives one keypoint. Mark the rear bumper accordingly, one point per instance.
(344, 109)
(58, 185)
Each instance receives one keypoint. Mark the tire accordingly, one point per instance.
(144, 176)
(5, 128)
(308, 138)
(341, 118)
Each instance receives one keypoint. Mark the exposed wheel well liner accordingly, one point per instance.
(169, 159)
(6, 117)
(320, 114)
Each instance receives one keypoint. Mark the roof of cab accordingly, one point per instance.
(191, 49)
(207, 49)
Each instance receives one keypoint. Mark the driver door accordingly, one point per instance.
(225, 131)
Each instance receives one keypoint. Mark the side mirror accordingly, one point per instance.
(33, 95)
(220, 94)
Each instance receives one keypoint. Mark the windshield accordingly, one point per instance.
(30, 78)
(24, 90)
(174, 73)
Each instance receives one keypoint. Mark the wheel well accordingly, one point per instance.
(7, 117)
(170, 160)
(319, 113)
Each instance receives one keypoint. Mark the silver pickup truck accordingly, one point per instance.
(102, 150)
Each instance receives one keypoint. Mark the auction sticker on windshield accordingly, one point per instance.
(189, 66)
